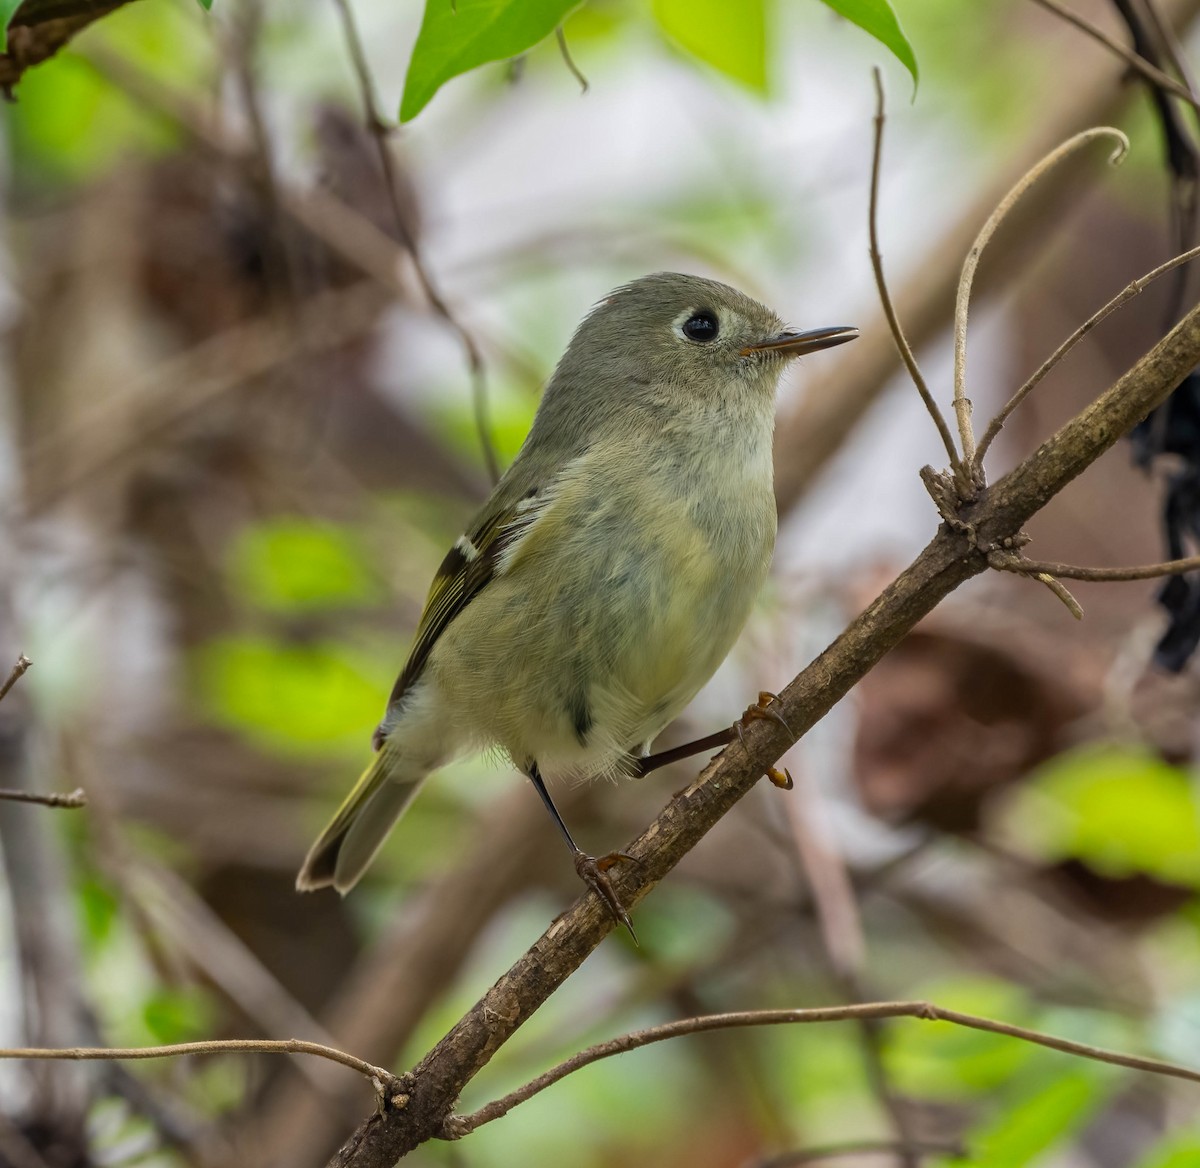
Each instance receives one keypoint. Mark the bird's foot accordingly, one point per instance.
(762, 711)
(593, 871)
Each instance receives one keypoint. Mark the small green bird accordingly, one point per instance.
(609, 573)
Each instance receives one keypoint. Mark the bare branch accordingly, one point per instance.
(954, 555)
(885, 298)
(1138, 63)
(380, 132)
(962, 405)
(1011, 562)
(1132, 289)
(18, 671)
(76, 798)
(385, 1082)
(460, 1125)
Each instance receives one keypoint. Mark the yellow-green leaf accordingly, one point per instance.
(458, 35)
(730, 37)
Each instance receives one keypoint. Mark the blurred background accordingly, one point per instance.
(236, 441)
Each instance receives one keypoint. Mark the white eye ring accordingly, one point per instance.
(698, 326)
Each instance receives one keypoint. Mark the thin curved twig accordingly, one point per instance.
(962, 404)
(1132, 289)
(460, 1125)
(384, 1080)
(18, 671)
(569, 61)
(1011, 562)
(885, 298)
(1136, 62)
(380, 131)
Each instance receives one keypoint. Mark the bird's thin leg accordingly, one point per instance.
(592, 871)
(760, 711)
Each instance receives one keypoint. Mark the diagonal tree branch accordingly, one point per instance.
(958, 552)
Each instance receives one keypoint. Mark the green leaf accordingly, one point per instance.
(293, 565)
(457, 36)
(730, 37)
(1176, 1151)
(1121, 809)
(1021, 1133)
(205, 4)
(879, 19)
(8, 9)
(177, 1015)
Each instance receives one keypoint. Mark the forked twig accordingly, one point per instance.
(1132, 289)
(962, 404)
(885, 297)
(18, 671)
(380, 131)
(1147, 69)
(456, 1126)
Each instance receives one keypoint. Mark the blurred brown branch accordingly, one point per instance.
(380, 131)
(457, 1126)
(958, 552)
(18, 671)
(74, 798)
(1138, 63)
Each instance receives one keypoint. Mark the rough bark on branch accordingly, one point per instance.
(956, 553)
(41, 27)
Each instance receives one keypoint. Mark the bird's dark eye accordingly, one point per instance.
(701, 326)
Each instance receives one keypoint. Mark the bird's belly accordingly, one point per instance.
(590, 664)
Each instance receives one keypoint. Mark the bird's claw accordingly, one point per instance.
(761, 711)
(593, 871)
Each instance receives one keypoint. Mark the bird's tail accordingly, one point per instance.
(345, 848)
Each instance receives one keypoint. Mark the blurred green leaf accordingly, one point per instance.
(879, 19)
(177, 1015)
(99, 909)
(950, 1062)
(291, 565)
(7, 9)
(732, 38)
(291, 697)
(457, 36)
(1019, 1134)
(1177, 1151)
(205, 4)
(1119, 808)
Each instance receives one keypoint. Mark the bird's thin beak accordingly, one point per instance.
(797, 344)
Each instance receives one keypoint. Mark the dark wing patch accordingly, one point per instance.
(469, 565)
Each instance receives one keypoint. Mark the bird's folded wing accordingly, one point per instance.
(474, 560)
